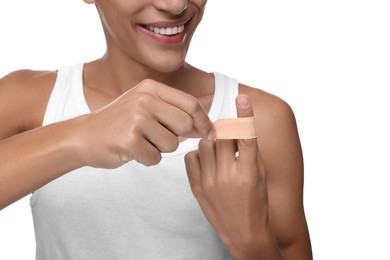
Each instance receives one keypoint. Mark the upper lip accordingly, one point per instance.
(165, 24)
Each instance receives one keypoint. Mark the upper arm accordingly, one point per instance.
(281, 153)
(23, 98)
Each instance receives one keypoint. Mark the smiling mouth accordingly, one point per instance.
(166, 30)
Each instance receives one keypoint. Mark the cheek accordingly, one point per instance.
(114, 19)
(124, 5)
(114, 12)
(199, 3)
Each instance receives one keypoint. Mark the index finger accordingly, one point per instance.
(202, 125)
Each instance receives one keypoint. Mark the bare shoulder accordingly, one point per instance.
(23, 98)
(278, 136)
(270, 110)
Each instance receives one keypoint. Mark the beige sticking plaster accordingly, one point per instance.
(235, 128)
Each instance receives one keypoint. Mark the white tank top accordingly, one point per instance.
(133, 212)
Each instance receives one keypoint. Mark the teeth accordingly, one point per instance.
(166, 30)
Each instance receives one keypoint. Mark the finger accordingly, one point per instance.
(226, 151)
(203, 127)
(176, 120)
(247, 148)
(162, 138)
(194, 171)
(147, 154)
(207, 155)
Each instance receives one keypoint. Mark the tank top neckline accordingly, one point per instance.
(185, 145)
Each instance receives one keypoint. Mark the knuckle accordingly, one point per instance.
(186, 125)
(143, 99)
(197, 190)
(124, 157)
(189, 157)
(147, 83)
(192, 104)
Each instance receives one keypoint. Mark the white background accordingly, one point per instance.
(330, 60)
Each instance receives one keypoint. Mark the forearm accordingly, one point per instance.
(34, 158)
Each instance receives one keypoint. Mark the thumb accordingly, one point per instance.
(247, 148)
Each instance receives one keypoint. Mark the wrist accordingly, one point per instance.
(262, 245)
(70, 143)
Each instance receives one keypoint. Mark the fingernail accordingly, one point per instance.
(211, 136)
(242, 101)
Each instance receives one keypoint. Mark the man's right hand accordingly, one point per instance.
(140, 125)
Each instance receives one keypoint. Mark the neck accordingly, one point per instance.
(121, 75)
(105, 79)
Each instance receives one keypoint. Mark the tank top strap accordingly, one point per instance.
(67, 98)
(225, 93)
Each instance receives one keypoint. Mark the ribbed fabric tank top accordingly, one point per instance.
(132, 212)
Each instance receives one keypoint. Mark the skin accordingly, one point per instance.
(253, 201)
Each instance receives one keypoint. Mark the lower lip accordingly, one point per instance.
(165, 39)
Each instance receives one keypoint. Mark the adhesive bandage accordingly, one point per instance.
(235, 128)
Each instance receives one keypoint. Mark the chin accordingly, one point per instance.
(170, 69)
(168, 65)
